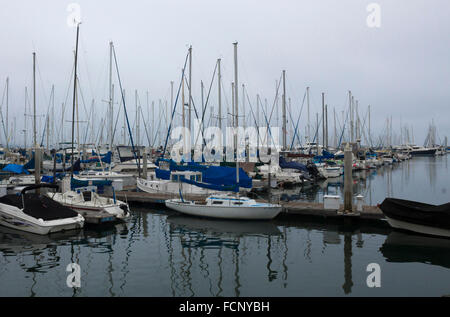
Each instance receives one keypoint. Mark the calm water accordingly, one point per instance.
(160, 253)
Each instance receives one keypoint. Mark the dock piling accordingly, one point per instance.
(348, 192)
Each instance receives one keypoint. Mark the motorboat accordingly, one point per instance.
(417, 217)
(226, 207)
(36, 213)
(83, 201)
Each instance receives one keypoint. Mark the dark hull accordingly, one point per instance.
(429, 152)
(416, 213)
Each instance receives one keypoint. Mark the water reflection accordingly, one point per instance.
(401, 247)
(161, 253)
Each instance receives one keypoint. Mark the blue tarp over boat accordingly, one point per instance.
(213, 177)
(105, 159)
(15, 168)
(294, 165)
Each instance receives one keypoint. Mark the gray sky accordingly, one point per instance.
(401, 69)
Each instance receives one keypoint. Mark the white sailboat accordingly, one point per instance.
(227, 206)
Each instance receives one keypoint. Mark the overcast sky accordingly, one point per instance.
(401, 69)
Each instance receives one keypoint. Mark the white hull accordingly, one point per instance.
(418, 228)
(100, 204)
(13, 217)
(224, 212)
(167, 186)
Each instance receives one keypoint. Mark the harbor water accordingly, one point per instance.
(161, 253)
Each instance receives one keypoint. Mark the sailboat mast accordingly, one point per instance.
(190, 88)
(74, 100)
(236, 88)
(34, 100)
(307, 104)
(7, 112)
(284, 110)
(111, 112)
(219, 78)
(25, 115)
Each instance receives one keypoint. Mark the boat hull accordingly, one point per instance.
(399, 224)
(225, 212)
(12, 217)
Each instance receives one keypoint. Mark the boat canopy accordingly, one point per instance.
(294, 165)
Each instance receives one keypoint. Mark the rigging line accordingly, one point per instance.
(145, 126)
(124, 107)
(298, 121)
(175, 106)
(88, 120)
(204, 110)
(157, 132)
(1, 113)
(52, 94)
(275, 99)
(86, 66)
(61, 127)
(253, 114)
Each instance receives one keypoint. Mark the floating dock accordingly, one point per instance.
(291, 208)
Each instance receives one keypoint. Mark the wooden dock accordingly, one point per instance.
(291, 208)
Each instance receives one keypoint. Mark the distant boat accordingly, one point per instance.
(417, 217)
(422, 151)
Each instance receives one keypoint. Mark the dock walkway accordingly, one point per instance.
(291, 208)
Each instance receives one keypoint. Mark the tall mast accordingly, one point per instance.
(111, 106)
(323, 120)
(326, 127)
(350, 115)
(307, 104)
(74, 100)
(236, 88)
(34, 100)
(219, 78)
(284, 110)
(25, 117)
(7, 110)
(190, 87)
(370, 137)
(335, 131)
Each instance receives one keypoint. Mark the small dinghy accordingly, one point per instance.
(37, 213)
(418, 217)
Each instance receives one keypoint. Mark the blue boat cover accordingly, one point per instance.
(213, 177)
(105, 159)
(76, 183)
(294, 165)
(15, 168)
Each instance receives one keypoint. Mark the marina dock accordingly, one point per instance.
(290, 208)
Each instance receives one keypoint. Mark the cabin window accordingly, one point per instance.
(192, 177)
(238, 203)
(217, 202)
(175, 178)
(199, 178)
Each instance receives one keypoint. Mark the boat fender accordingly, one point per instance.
(41, 220)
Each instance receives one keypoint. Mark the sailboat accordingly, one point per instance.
(227, 206)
